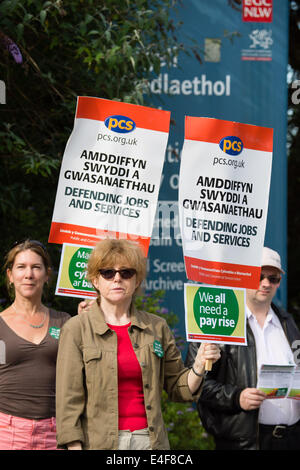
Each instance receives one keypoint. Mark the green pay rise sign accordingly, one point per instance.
(216, 310)
(215, 314)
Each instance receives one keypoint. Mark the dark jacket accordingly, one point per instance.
(218, 406)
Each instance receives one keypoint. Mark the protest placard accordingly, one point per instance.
(223, 200)
(72, 280)
(110, 173)
(215, 314)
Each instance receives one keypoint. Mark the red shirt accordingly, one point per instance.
(132, 413)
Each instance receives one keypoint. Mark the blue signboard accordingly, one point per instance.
(238, 73)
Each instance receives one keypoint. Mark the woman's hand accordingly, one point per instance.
(206, 352)
(75, 445)
(84, 306)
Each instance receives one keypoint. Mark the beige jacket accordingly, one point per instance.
(87, 383)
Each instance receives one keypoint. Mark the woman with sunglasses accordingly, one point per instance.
(29, 334)
(114, 361)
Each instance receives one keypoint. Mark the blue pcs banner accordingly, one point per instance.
(237, 73)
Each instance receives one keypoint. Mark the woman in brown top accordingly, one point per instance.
(29, 333)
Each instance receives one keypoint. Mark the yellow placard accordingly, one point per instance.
(72, 280)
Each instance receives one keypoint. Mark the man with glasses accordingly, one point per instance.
(230, 407)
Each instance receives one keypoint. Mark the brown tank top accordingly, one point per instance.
(28, 370)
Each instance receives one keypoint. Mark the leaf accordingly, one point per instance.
(132, 62)
(43, 15)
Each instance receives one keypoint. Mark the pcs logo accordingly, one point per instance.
(120, 124)
(231, 145)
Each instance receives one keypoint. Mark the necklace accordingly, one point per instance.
(30, 324)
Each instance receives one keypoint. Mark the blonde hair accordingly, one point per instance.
(110, 252)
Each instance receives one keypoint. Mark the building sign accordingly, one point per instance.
(241, 76)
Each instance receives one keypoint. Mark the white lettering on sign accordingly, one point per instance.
(167, 266)
(258, 10)
(197, 86)
(258, 3)
(296, 94)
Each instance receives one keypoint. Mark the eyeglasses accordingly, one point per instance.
(272, 279)
(126, 273)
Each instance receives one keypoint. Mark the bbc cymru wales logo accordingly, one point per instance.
(231, 145)
(2, 92)
(120, 124)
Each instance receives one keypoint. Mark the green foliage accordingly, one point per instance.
(185, 430)
(184, 427)
(152, 303)
(69, 48)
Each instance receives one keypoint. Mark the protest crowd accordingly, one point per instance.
(95, 377)
(94, 381)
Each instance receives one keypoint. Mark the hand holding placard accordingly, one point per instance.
(207, 355)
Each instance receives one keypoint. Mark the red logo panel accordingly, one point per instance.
(259, 11)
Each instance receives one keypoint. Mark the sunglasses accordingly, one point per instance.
(272, 279)
(126, 273)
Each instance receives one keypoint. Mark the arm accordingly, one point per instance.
(216, 391)
(70, 390)
(181, 383)
(206, 352)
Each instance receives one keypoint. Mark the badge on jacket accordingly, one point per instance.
(54, 332)
(158, 349)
